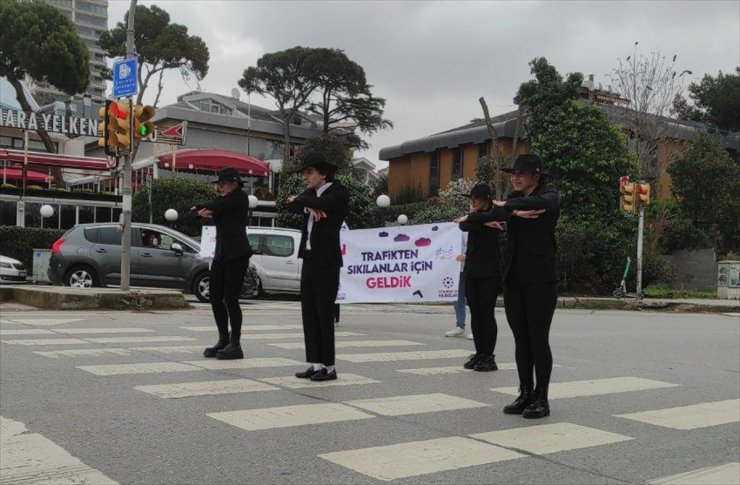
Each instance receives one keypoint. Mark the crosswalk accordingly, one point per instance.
(121, 355)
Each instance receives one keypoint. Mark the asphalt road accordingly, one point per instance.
(402, 409)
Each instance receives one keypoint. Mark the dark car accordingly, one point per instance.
(90, 255)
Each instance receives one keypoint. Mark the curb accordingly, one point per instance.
(63, 298)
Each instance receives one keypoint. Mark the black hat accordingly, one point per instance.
(480, 191)
(228, 174)
(318, 161)
(528, 162)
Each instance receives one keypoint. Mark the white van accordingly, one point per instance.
(276, 259)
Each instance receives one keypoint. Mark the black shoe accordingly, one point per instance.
(472, 360)
(324, 375)
(486, 364)
(306, 374)
(231, 351)
(210, 352)
(538, 408)
(521, 402)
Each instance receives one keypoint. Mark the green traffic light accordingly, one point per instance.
(143, 130)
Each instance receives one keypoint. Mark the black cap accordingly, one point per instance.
(316, 160)
(528, 162)
(481, 191)
(228, 174)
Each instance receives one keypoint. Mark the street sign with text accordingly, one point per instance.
(124, 77)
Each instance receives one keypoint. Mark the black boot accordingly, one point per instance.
(521, 402)
(486, 364)
(210, 352)
(472, 361)
(231, 351)
(538, 408)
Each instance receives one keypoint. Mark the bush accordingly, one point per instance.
(173, 193)
(19, 242)
(408, 195)
(668, 228)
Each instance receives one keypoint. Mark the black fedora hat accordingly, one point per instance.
(228, 174)
(318, 161)
(528, 162)
(480, 191)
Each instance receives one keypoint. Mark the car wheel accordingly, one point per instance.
(81, 276)
(252, 287)
(202, 287)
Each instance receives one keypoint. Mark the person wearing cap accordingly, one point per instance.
(530, 280)
(324, 205)
(482, 271)
(230, 212)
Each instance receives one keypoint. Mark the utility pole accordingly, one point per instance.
(126, 190)
(640, 228)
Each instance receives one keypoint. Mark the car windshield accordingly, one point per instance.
(186, 239)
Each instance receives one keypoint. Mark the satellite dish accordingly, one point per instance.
(235, 93)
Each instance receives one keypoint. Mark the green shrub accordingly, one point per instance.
(408, 195)
(19, 242)
(177, 193)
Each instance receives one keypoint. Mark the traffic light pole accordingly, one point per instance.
(640, 228)
(126, 190)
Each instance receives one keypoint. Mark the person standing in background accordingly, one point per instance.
(230, 211)
(459, 304)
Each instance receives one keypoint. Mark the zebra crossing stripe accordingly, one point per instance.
(415, 404)
(452, 369)
(127, 340)
(55, 354)
(46, 341)
(595, 387)
(343, 379)
(243, 363)
(26, 331)
(287, 416)
(205, 388)
(353, 344)
(690, 417)
(245, 329)
(395, 356)
(270, 336)
(416, 458)
(727, 474)
(146, 368)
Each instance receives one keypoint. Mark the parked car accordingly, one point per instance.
(90, 255)
(12, 270)
(275, 259)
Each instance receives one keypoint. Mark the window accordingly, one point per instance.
(484, 149)
(457, 163)
(7, 213)
(109, 235)
(433, 173)
(279, 246)
(254, 242)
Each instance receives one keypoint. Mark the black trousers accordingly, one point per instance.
(319, 285)
(529, 310)
(227, 278)
(481, 294)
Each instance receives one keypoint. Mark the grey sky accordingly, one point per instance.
(433, 60)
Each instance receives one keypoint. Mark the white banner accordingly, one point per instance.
(400, 264)
(207, 241)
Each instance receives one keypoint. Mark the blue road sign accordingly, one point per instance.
(124, 77)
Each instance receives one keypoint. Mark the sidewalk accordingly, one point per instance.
(66, 298)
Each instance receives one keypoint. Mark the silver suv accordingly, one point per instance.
(275, 259)
(90, 255)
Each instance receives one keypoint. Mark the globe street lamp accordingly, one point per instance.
(253, 202)
(170, 215)
(46, 211)
(403, 219)
(383, 201)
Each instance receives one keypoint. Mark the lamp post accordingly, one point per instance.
(403, 219)
(171, 216)
(253, 202)
(46, 211)
(383, 201)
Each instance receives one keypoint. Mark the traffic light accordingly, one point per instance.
(643, 189)
(627, 198)
(143, 128)
(103, 126)
(109, 127)
(123, 126)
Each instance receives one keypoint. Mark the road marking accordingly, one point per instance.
(244, 363)
(179, 349)
(269, 336)
(343, 379)
(727, 474)
(205, 388)
(148, 368)
(44, 321)
(595, 387)
(550, 438)
(83, 353)
(394, 356)
(287, 416)
(453, 369)
(354, 343)
(690, 417)
(76, 331)
(415, 404)
(46, 341)
(32, 458)
(126, 340)
(26, 331)
(245, 328)
(415, 458)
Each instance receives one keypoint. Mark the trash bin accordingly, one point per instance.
(728, 280)
(41, 259)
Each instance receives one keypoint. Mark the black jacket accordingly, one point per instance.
(334, 201)
(530, 243)
(482, 254)
(231, 214)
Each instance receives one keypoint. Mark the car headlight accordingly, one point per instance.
(5, 265)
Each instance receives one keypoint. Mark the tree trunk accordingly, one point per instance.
(286, 141)
(41, 131)
(497, 181)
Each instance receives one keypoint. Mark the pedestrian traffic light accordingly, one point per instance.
(143, 127)
(643, 189)
(627, 198)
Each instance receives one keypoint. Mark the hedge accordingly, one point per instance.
(19, 242)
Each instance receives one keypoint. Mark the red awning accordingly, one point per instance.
(55, 160)
(214, 160)
(31, 176)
